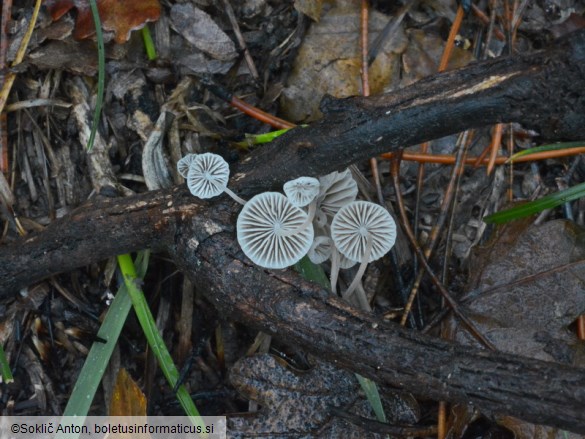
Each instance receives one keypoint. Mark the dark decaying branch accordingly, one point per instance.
(543, 91)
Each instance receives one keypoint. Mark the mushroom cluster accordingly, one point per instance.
(317, 218)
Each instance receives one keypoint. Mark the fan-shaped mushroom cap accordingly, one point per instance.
(208, 175)
(184, 164)
(354, 223)
(320, 250)
(262, 226)
(338, 189)
(302, 190)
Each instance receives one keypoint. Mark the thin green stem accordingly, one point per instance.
(5, 371)
(148, 43)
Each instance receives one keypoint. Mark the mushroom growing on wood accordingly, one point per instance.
(263, 231)
(320, 250)
(208, 177)
(184, 164)
(362, 232)
(337, 189)
(302, 192)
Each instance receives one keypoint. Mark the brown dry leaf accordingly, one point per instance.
(530, 318)
(128, 401)
(127, 398)
(199, 29)
(329, 61)
(296, 403)
(526, 430)
(311, 8)
(66, 55)
(120, 17)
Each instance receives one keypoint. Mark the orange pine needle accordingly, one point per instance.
(451, 39)
(494, 147)
(448, 159)
(262, 116)
(581, 327)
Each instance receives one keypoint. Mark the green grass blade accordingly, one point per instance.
(257, 139)
(153, 337)
(536, 206)
(371, 390)
(100, 353)
(148, 43)
(101, 72)
(5, 371)
(549, 147)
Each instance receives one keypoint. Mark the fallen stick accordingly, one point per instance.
(542, 90)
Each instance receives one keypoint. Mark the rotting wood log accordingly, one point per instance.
(542, 91)
(200, 238)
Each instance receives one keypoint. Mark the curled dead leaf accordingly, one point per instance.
(116, 16)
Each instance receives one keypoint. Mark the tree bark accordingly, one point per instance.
(542, 90)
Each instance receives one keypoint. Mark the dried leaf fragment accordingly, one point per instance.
(120, 17)
(312, 8)
(199, 29)
(127, 399)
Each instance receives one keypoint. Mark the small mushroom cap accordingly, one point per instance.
(354, 223)
(262, 226)
(208, 175)
(338, 189)
(345, 263)
(320, 250)
(302, 190)
(184, 164)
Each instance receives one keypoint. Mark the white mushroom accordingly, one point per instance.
(184, 164)
(338, 189)
(263, 230)
(363, 232)
(320, 250)
(338, 261)
(358, 221)
(320, 219)
(301, 192)
(345, 263)
(208, 177)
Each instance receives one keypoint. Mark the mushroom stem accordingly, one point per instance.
(306, 223)
(362, 298)
(358, 277)
(234, 196)
(334, 269)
